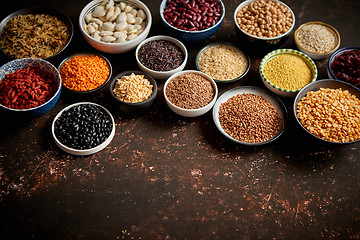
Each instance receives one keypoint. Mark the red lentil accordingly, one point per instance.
(26, 88)
(84, 73)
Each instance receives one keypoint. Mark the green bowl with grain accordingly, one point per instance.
(286, 71)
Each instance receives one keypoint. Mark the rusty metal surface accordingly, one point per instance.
(169, 177)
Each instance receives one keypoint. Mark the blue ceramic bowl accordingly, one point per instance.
(44, 65)
(191, 36)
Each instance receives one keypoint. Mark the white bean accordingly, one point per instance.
(122, 34)
(117, 11)
(98, 13)
(96, 35)
(106, 33)
(130, 18)
(108, 26)
(91, 29)
(128, 8)
(88, 17)
(97, 21)
(109, 4)
(120, 26)
(109, 13)
(108, 38)
(133, 12)
(94, 25)
(120, 39)
(131, 36)
(121, 17)
(141, 14)
(138, 20)
(137, 26)
(122, 6)
(129, 27)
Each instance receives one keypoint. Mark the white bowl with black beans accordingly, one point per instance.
(190, 93)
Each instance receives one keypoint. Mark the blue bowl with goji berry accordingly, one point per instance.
(29, 85)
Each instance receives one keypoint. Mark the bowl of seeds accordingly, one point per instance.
(316, 39)
(328, 110)
(224, 62)
(133, 91)
(250, 115)
(190, 93)
(286, 71)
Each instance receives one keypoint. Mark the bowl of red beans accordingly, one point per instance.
(192, 20)
(29, 85)
(344, 65)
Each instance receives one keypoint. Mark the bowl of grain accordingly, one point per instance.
(340, 122)
(224, 62)
(286, 71)
(133, 91)
(264, 24)
(250, 115)
(190, 93)
(316, 39)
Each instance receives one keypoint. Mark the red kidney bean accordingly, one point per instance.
(192, 15)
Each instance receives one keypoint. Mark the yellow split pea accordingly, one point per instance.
(288, 71)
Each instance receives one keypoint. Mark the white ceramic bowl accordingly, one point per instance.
(278, 90)
(190, 112)
(85, 151)
(312, 54)
(115, 47)
(163, 74)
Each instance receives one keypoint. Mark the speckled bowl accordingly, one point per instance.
(44, 65)
(278, 90)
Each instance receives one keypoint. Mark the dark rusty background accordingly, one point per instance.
(168, 177)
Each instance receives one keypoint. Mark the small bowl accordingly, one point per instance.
(262, 43)
(87, 54)
(229, 45)
(325, 83)
(44, 65)
(275, 101)
(82, 152)
(133, 108)
(278, 90)
(312, 54)
(190, 112)
(191, 36)
(162, 74)
(121, 47)
(51, 12)
(331, 60)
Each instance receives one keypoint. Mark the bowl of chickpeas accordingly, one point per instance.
(264, 24)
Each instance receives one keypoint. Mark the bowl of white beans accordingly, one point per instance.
(115, 26)
(264, 24)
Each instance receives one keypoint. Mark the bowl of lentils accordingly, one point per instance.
(264, 24)
(328, 110)
(250, 115)
(83, 128)
(287, 71)
(161, 56)
(190, 93)
(192, 20)
(316, 39)
(344, 65)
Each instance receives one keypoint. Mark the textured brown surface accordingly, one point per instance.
(168, 177)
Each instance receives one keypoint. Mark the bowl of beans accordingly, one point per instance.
(316, 39)
(250, 115)
(83, 128)
(29, 86)
(85, 73)
(264, 24)
(328, 110)
(133, 92)
(190, 93)
(35, 33)
(224, 62)
(344, 65)
(192, 20)
(115, 26)
(286, 71)
(161, 56)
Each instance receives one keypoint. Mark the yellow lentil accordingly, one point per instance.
(84, 73)
(288, 71)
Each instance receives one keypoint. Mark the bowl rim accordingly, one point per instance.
(246, 2)
(232, 45)
(38, 10)
(338, 38)
(31, 60)
(82, 152)
(87, 54)
(335, 54)
(136, 72)
(177, 42)
(162, 7)
(260, 92)
(278, 52)
(308, 88)
(94, 3)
